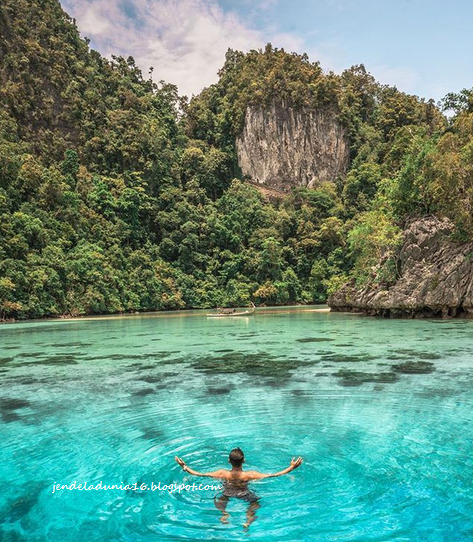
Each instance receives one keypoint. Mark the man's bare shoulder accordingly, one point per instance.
(253, 475)
(221, 473)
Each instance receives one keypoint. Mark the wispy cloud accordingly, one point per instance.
(183, 40)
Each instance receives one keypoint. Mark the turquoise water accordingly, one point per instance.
(381, 411)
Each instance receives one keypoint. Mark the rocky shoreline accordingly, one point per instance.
(434, 278)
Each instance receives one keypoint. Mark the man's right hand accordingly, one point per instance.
(296, 462)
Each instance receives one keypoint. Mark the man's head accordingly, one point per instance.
(236, 458)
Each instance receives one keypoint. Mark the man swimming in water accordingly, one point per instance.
(235, 483)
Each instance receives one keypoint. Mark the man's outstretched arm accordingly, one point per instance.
(294, 464)
(215, 474)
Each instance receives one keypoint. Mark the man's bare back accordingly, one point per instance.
(236, 480)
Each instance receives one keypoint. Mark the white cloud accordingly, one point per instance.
(184, 40)
(94, 22)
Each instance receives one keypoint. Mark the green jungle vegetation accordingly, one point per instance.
(117, 194)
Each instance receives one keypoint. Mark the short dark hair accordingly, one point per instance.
(236, 457)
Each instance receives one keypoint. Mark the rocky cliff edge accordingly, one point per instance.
(434, 277)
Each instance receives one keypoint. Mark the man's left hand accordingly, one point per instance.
(180, 462)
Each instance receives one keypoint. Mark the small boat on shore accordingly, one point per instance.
(224, 313)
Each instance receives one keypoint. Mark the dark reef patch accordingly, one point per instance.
(301, 396)
(347, 358)
(357, 378)
(428, 355)
(9, 406)
(21, 506)
(255, 364)
(219, 391)
(314, 340)
(10, 416)
(50, 329)
(151, 433)
(169, 374)
(395, 357)
(126, 357)
(12, 403)
(144, 392)
(67, 359)
(143, 367)
(150, 379)
(66, 345)
(30, 355)
(273, 383)
(417, 354)
(26, 380)
(109, 356)
(414, 367)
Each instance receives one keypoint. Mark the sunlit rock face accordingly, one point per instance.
(286, 147)
(434, 277)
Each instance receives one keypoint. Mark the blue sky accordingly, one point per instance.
(423, 47)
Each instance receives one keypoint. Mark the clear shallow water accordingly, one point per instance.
(388, 452)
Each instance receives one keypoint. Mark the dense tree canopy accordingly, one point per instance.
(118, 195)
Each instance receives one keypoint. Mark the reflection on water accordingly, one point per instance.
(381, 411)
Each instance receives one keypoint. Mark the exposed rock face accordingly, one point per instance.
(284, 147)
(435, 278)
